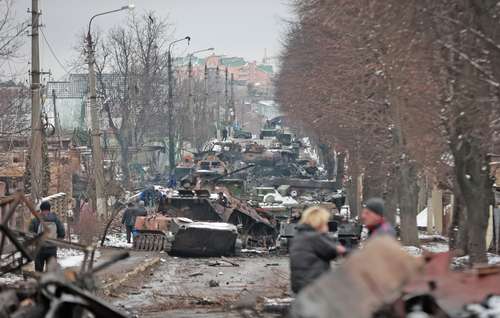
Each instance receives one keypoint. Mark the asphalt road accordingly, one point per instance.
(181, 287)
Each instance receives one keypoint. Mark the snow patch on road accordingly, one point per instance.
(71, 258)
(117, 240)
(460, 262)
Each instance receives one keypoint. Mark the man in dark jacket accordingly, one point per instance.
(224, 134)
(372, 217)
(141, 210)
(128, 220)
(311, 249)
(56, 230)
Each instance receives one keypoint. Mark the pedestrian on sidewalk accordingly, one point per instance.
(224, 134)
(311, 249)
(128, 220)
(372, 217)
(56, 230)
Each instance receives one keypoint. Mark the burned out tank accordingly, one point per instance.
(184, 237)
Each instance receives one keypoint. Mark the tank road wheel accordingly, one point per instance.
(154, 246)
(137, 242)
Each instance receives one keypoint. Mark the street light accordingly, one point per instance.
(101, 208)
(170, 105)
(190, 94)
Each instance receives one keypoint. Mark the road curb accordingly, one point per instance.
(129, 275)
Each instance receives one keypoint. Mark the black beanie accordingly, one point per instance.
(376, 205)
(45, 206)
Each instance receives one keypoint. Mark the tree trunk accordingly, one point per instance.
(423, 193)
(390, 197)
(408, 201)
(475, 184)
(124, 164)
(353, 190)
(340, 169)
(458, 232)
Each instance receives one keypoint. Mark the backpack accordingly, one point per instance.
(51, 227)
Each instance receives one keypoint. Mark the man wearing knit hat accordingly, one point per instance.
(372, 217)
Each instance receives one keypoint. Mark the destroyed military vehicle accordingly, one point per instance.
(198, 211)
(260, 155)
(184, 237)
(269, 133)
(211, 167)
(344, 230)
(242, 134)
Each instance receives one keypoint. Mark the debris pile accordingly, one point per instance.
(56, 293)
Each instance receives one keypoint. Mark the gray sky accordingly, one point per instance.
(234, 27)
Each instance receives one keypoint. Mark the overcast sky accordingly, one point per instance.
(234, 27)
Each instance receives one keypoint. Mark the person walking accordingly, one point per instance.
(311, 249)
(372, 217)
(224, 134)
(141, 210)
(53, 225)
(128, 220)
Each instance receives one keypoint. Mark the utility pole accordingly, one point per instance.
(57, 123)
(97, 157)
(170, 106)
(170, 114)
(233, 110)
(190, 91)
(226, 100)
(205, 90)
(190, 96)
(217, 101)
(36, 127)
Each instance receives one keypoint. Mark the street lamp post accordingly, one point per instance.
(170, 106)
(190, 93)
(97, 157)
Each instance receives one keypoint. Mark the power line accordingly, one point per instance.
(53, 53)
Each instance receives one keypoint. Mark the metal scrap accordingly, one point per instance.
(56, 293)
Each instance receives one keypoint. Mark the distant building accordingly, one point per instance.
(255, 75)
(267, 108)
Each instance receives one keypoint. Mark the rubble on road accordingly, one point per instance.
(277, 305)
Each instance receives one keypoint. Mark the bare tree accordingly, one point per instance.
(133, 56)
(10, 31)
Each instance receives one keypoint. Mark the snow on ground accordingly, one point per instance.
(460, 262)
(436, 247)
(117, 240)
(432, 237)
(71, 258)
(413, 250)
(10, 279)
